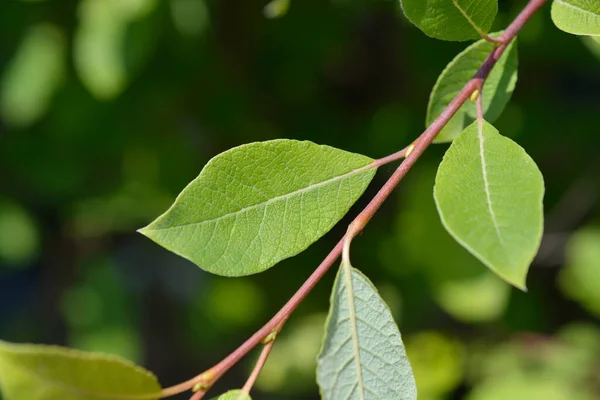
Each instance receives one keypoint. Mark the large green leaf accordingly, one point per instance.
(497, 89)
(39, 372)
(456, 20)
(489, 196)
(233, 395)
(362, 356)
(257, 204)
(579, 17)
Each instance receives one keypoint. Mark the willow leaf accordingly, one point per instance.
(257, 204)
(363, 356)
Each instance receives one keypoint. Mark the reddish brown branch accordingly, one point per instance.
(416, 149)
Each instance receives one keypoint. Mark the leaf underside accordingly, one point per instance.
(39, 372)
(257, 204)
(497, 90)
(363, 356)
(489, 194)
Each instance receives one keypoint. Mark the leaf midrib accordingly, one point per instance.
(469, 20)
(353, 327)
(486, 184)
(267, 202)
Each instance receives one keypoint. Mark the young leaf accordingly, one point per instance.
(233, 395)
(455, 20)
(579, 17)
(489, 194)
(257, 204)
(497, 89)
(39, 372)
(362, 355)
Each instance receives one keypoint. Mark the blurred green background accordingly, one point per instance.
(110, 107)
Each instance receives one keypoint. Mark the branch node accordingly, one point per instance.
(475, 95)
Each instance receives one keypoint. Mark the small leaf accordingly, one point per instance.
(39, 372)
(257, 204)
(489, 194)
(362, 356)
(497, 89)
(233, 395)
(455, 20)
(579, 17)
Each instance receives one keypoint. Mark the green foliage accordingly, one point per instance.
(489, 195)
(257, 204)
(456, 20)
(276, 8)
(102, 59)
(27, 89)
(580, 278)
(497, 89)
(39, 372)
(362, 355)
(233, 395)
(579, 17)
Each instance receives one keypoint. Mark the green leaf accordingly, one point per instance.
(39, 372)
(362, 355)
(489, 194)
(455, 20)
(233, 395)
(579, 17)
(497, 89)
(257, 204)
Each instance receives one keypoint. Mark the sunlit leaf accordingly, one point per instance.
(257, 204)
(497, 89)
(27, 89)
(233, 395)
(39, 372)
(455, 20)
(580, 279)
(362, 355)
(579, 17)
(489, 196)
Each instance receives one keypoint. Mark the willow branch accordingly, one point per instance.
(411, 154)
